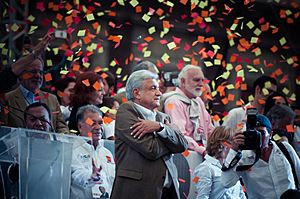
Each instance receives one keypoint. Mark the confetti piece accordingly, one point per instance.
(107, 120)
(181, 180)
(276, 137)
(195, 179)
(89, 121)
(97, 86)
(186, 153)
(90, 17)
(171, 45)
(86, 82)
(170, 106)
(290, 128)
(47, 77)
(81, 33)
(90, 134)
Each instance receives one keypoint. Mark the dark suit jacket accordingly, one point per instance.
(15, 118)
(141, 163)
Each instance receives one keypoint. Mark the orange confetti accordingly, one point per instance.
(274, 49)
(216, 118)
(59, 17)
(170, 106)
(124, 99)
(148, 39)
(69, 19)
(181, 180)
(89, 121)
(86, 82)
(107, 120)
(97, 86)
(47, 77)
(104, 75)
(159, 12)
(227, 144)
(138, 9)
(290, 128)
(256, 61)
(60, 94)
(225, 101)
(261, 101)
(238, 67)
(183, 2)
(186, 153)
(76, 67)
(196, 179)
(230, 97)
(90, 134)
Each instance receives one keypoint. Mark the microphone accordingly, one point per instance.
(7, 107)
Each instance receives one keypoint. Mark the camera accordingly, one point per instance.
(171, 78)
(252, 136)
(60, 34)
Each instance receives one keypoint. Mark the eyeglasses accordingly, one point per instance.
(34, 71)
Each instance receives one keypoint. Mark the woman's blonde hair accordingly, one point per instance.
(216, 139)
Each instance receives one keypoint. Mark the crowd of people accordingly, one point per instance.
(149, 123)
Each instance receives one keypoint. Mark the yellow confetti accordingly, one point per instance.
(151, 30)
(276, 137)
(285, 91)
(146, 18)
(250, 24)
(119, 71)
(171, 45)
(134, 3)
(282, 41)
(147, 53)
(208, 63)
(81, 33)
(104, 109)
(90, 17)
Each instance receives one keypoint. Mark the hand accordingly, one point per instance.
(43, 44)
(96, 172)
(143, 127)
(237, 140)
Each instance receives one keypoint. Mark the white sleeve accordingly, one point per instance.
(204, 184)
(294, 158)
(81, 175)
(230, 177)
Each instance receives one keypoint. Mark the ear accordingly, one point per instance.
(79, 126)
(182, 81)
(136, 93)
(257, 90)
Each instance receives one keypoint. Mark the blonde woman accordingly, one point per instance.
(209, 172)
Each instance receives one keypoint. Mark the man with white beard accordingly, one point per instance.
(187, 110)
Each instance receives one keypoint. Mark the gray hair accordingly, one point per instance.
(183, 72)
(136, 80)
(144, 65)
(84, 109)
(280, 114)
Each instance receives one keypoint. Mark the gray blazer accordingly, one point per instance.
(141, 164)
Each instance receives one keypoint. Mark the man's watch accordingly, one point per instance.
(161, 126)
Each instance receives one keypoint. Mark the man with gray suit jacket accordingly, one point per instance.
(145, 142)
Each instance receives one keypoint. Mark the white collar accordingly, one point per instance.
(212, 160)
(145, 111)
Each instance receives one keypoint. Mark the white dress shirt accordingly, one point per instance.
(209, 184)
(264, 180)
